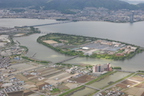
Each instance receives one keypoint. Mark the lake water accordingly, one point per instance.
(125, 32)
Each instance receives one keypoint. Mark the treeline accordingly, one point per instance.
(34, 60)
(116, 68)
(26, 49)
(69, 52)
(32, 31)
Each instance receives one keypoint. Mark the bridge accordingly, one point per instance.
(49, 24)
(92, 87)
(52, 63)
(67, 59)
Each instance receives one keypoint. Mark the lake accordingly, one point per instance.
(125, 32)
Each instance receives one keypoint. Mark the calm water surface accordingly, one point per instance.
(125, 32)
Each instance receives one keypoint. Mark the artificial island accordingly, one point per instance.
(89, 46)
(25, 76)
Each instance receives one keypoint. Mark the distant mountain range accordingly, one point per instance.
(133, 1)
(69, 4)
(80, 4)
(21, 3)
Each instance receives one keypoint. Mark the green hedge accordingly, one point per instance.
(33, 60)
(26, 49)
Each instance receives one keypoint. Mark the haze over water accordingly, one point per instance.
(125, 32)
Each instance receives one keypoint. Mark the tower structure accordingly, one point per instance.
(132, 17)
(102, 68)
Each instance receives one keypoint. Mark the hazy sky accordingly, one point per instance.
(135, 0)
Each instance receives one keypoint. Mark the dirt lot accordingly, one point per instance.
(50, 41)
(121, 85)
(41, 84)
(60, 77)
(142, 94)
(140, 86)
(83, 79)
(16, 94)
(21, 77)
(71, 85)
(63, 87)
(138, 78)
(25, 66)
(128, 82)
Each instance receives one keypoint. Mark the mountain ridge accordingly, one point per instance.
(68, 4)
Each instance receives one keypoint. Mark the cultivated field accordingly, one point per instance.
(83, 79)
(133, 86)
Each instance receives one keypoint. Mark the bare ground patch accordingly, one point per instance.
(137, 78)
(82, 79)
(50, 41)
(128, 82)
(140, 86)
(121, 85)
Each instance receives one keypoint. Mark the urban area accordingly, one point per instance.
(87, 14)
(24, 75)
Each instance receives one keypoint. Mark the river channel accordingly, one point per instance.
(125, 32)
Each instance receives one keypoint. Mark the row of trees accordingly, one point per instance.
(34, 60)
